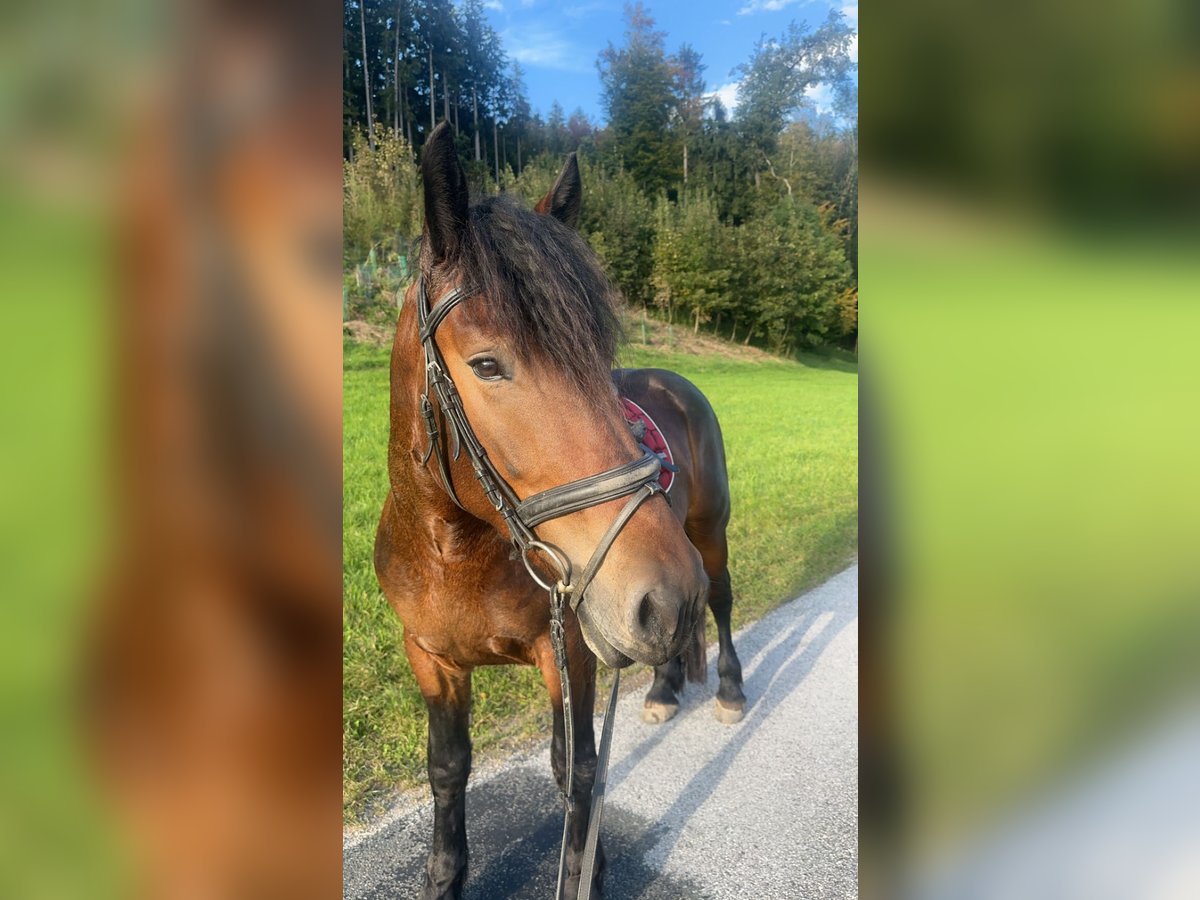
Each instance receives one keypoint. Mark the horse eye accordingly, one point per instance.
(487, 369)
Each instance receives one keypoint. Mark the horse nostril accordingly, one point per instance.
(645, 613)
(659, 616)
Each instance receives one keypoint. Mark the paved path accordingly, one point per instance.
(767, 808)
(1128, 825)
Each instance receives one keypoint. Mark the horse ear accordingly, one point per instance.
(445, 193)
(565, 198)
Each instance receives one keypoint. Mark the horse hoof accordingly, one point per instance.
(657, 713)
(728, 715)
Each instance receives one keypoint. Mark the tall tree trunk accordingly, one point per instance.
(733, 334)
(696, 330)
(496, 149)
(362, 22)
(445, 96)
(685, 162)
(397, 112)
(403, 117)
(389, 112)
(456, 115)
(519, 167)
(432, 91)
(475, 111)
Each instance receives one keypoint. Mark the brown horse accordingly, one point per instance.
(530, 353)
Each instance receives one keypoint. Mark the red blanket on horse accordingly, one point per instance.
(652, 439)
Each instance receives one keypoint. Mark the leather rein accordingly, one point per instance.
(638, 480)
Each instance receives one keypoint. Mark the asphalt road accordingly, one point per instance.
(766, 808)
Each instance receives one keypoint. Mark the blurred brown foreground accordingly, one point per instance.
(193, 152)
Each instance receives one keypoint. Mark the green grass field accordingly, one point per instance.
(792, 442)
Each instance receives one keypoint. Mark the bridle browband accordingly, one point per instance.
(638, 480)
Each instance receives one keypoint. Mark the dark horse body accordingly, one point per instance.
(700, 500)
(450, 573)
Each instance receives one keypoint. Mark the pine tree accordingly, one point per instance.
(637, 93)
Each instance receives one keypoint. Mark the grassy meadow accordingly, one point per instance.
(791, 436)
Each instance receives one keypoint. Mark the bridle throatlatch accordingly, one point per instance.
(637, 480)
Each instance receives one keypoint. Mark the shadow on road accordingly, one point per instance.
(514, 820)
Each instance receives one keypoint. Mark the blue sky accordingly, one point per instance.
(557, 42)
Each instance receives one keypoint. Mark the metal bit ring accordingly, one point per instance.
(555, 556)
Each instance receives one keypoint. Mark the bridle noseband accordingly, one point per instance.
(638, 480)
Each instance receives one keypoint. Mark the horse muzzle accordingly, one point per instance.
(651, 627)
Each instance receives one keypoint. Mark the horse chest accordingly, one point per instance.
(466, 644)
(498, 622)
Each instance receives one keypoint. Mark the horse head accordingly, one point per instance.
(530, 356)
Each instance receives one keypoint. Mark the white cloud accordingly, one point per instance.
(543, 47)
(727, 94)
(724, 22)
(854, 48)
(850, 10)
(820, 96)
(493, 4)
(582, 10)
(757, 6)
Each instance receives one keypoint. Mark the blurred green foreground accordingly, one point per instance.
(1035, 393)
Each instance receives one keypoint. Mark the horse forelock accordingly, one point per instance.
(542, 286)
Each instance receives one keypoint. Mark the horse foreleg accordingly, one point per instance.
(730, 702)
(583, 703)
(447, 693)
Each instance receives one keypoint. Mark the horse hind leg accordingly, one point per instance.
(730, 704)
(662, 700)
(447, 694)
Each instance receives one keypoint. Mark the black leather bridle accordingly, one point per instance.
(638, 480)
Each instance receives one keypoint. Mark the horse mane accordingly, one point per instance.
(544, 287)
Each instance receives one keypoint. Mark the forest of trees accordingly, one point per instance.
(743, 223)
